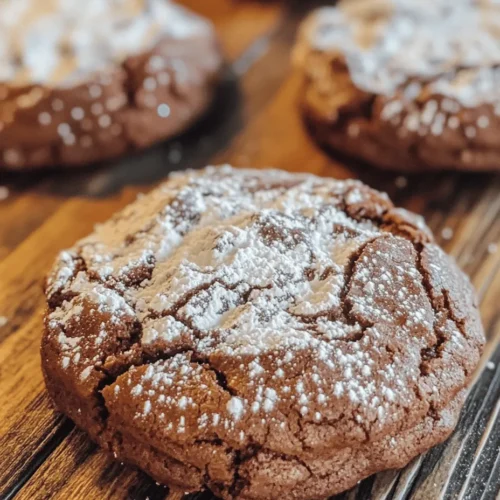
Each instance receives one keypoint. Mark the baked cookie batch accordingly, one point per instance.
(262, 334)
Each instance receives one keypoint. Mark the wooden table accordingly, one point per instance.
(254, 122)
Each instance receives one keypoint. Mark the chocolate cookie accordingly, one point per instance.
(405, 85)
(87, 81)
(263, 334)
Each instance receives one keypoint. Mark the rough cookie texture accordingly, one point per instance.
(87, 81)
(405, 85)
(263, 334)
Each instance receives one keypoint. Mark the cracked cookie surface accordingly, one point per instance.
(84, 83)
(260, 333)
(379, 85)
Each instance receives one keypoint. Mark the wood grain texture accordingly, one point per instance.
(253, 122)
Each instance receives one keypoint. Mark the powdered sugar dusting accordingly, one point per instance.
(58, 42)
(167, 329)
(392, 43)
(235, 407)
(263, 291)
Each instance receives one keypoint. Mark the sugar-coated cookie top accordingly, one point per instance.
(387, 43)
(59, 41)
(306, 293)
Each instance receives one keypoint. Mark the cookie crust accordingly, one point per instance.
(262, 334)
(100, 99)
(380, 86)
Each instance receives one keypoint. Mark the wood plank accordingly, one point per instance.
(77, 470)
(39, 433)
(238, 24)
(19, 217)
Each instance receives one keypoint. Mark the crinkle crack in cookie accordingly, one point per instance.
(263, 334)
(86, 81)
(405, 85)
